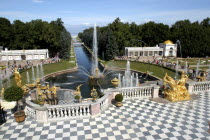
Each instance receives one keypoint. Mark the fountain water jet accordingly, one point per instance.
(33, 73)
(28, 78)
(37, 71)
(94, 70)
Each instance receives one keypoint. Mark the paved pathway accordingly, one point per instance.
(137, 119)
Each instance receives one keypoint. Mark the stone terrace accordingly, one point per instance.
(137, 119)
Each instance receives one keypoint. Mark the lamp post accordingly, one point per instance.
(178, 43)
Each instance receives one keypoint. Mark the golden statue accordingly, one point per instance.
(17, 78)
(78, 90)
(54, 90)
(2, 93)
(177, 90)
(94, 94)
(96, 71)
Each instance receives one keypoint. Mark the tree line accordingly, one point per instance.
(113, 38)
(36, 34)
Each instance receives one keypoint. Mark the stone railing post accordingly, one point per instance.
(42, 115)
(95, 109)
(190, 87)
(155, 91)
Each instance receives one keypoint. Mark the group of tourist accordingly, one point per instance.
(21, 65)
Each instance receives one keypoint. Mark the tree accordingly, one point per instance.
(5, 32)
(13, 93)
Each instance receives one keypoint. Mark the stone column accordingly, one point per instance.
(155, 93)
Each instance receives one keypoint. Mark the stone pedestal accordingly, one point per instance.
(95, 109)
(42, 115)
(155, 91)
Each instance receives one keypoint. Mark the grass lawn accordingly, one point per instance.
(49, 68)
(158, 71)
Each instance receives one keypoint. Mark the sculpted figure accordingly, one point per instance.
(177, 90)
(17, 78)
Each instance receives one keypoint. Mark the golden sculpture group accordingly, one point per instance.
(44, 94)
(177, 90)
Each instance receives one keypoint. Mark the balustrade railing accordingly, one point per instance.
(201, 86)
(136, 92)
(68, 111)
(50, 113)
(104, 102)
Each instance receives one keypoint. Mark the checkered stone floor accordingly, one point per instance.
(137, 119)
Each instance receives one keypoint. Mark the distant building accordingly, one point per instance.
(166, 49)
(6, 55)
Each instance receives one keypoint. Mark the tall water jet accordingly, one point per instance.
(137, 80)
(37, 71)
(197, 68)
(28, 78)
(94, 69)
(186, 67)
(176, 68)
(7, 75)
(119, 78)
(127, 74)
(33, 73)
(41, 70)
(1, 79)
(208, 76)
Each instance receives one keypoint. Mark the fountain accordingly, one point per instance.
(37, 71)
(94, 69)
(197, 68)
(41, 70)
(28, 78)
(186, 67)
(129, 79)
(33, 73)
(208, 76)
(177, 65)
(7, 75)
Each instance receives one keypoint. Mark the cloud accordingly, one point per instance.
(38, 1)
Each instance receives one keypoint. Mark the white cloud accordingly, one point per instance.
(38, 1)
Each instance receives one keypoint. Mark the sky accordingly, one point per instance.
(78, 15)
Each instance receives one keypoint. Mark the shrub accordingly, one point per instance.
(13, 93)
(77, 97)
(118, 98)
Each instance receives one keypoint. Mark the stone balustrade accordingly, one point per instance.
(51, 113)
(66, 112)
(140, 92)
(198, 86)
(104, 103)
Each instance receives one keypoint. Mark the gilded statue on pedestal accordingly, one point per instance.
(17, 78)
(177, 90)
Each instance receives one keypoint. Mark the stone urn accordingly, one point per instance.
(115, 82)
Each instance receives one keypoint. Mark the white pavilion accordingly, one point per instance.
(36, 54)
(166, 49)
